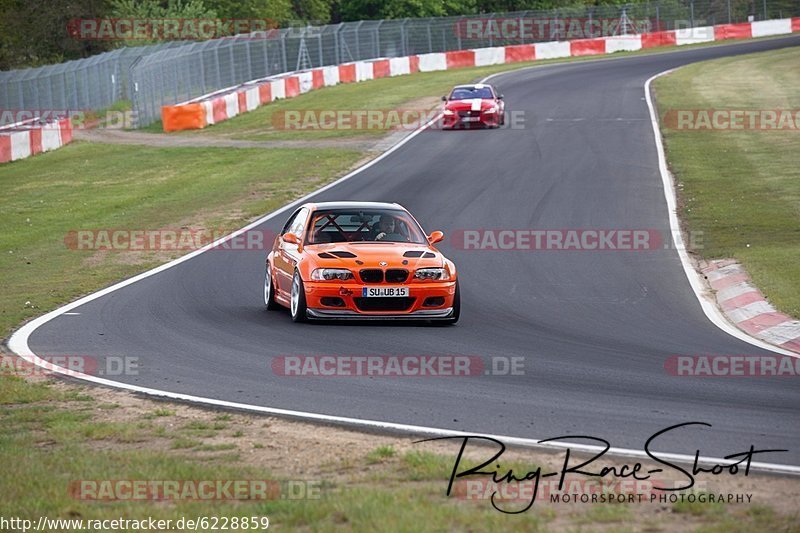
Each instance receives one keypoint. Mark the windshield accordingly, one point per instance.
(364, 225)
(466, 93)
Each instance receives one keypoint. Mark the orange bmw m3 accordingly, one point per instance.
(360, 260)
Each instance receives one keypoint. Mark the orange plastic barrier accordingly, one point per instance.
(181, 117)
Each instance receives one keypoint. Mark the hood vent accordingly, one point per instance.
(344, 255)
(413, 253)
(428, 255)
(326, 255)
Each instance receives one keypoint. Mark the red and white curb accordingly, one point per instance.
(24, 139)
(746, 306)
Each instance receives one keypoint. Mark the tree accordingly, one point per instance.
(35, 33)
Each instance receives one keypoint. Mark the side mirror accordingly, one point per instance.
(444, 98)
(435, 237)
(500, 96)
(291, 238)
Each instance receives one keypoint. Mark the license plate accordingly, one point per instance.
(471, 119)
(384, 292)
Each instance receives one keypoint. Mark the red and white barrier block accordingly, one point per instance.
(745, 306)
(22, 140)
(223, 105)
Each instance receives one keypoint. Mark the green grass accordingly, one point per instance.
(380, 454)
(607, 513)
(741, 189)
(53, 440)
(698, 508)
(159, 413)
(46, 445)
(90, 186)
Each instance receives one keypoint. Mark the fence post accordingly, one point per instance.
(249, 63)
(202, 73)
(337, 39)
(134, 88)
(267, 69)
(358, 42)
(729, 11)
(319, 45)
(283, 52)
(404, 36)
(378, 39)
(216, 65)
(233, 68)
(430, 40)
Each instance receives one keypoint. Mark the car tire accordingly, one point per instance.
(298, 299)
(503, 119)
(269, 290)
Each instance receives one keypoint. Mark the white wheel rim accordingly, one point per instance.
(267, 285)
(295, 295)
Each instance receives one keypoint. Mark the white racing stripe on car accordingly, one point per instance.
(475, 104)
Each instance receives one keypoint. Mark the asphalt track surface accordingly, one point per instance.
(594, 328)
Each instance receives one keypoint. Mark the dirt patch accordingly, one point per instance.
(115, 136)
(301, 450)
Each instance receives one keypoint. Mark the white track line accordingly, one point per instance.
(709, 306)
(19, 345)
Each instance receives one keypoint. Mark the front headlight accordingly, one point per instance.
(330, 274)
(491, 110)
(438, 274)
(449, 112)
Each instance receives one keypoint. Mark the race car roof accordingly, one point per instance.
(472, 86)
(354, 205)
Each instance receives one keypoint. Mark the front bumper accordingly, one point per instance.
(318, 294)
(485, 120)
(347, 314)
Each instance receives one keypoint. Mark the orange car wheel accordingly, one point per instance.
(269, 291)
(298, 299)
